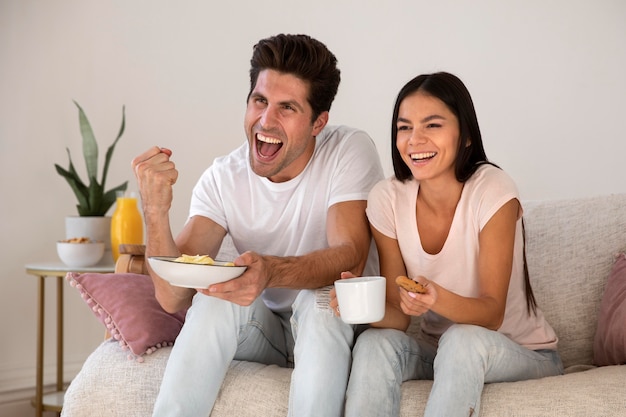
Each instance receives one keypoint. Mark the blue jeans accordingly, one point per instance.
(217, 332)
(467, 357)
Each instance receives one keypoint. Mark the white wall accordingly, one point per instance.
(547, 78)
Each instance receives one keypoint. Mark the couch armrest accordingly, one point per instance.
(132, 260)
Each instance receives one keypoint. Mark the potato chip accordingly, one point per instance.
(195, 259)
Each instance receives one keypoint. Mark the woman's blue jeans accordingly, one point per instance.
(467, 358)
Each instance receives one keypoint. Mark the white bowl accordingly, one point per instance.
(80, 255)
(193, 275)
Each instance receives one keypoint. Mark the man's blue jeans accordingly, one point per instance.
(217, 332)
(467, 357)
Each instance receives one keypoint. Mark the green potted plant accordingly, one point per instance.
(94, 200)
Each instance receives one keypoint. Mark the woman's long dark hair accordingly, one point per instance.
(470, 153)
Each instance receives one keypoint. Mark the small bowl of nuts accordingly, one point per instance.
(80, 252)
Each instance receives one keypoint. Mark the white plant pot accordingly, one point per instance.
(93, 227)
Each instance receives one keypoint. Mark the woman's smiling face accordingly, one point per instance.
(428, 137)
(278, 124)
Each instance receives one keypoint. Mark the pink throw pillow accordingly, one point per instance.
(126, 305)
(609, 345)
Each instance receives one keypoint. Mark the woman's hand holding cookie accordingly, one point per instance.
(416, 296)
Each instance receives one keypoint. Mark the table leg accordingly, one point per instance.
(59, 333)
(40, 341)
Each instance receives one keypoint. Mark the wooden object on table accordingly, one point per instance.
(132, 259)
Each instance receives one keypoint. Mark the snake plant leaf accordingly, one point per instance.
(80, 190)
(90, 146)
(95, 194)
(109, 153)
(74, 174)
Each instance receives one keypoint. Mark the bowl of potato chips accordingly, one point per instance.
(194, 271)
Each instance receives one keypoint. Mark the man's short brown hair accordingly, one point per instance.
(304, 57)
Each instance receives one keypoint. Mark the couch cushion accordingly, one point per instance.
(609, 347)
(111, 386)
(570, 249)
(580, 394)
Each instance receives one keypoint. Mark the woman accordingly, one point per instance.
(452, 221)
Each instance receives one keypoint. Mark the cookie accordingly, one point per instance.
(410, 285)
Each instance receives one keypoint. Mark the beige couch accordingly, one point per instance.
(570, 249)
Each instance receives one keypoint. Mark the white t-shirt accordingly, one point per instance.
(288, 218)
(391, 210)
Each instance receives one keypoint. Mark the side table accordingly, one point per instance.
(53, 401)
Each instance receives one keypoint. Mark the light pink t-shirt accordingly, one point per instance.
(391, 210)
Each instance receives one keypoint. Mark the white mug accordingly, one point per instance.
(361, 299)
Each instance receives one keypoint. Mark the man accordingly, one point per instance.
(293, 201)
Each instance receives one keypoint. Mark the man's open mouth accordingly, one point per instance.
(267, 146)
